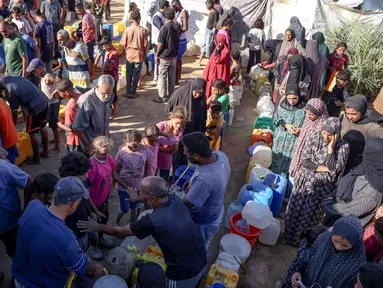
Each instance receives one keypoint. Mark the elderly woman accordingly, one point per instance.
(290, 41)
(360, 192)
(356, 118)
(335, 259)
(288, 121)
(324, 158)
(299, 30)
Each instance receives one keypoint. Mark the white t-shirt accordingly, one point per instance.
(257, 36)
(23, 25)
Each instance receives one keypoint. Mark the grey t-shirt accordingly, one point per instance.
(207, 189)
(51, 10)
(22, 92)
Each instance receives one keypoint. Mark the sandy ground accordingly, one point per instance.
(266, 264)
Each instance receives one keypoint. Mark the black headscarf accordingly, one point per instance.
(183, 96)
(297, 68)
(272, 47)
(293, 89)
(376, 117)
(371, 275)
(359, 103)
(371, 168)
(356, 141)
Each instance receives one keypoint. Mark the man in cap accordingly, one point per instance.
(47, 250)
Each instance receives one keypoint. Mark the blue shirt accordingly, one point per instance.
(11, 178)
(30, 43)
(44, 31)
(207, 189)
(47, 250)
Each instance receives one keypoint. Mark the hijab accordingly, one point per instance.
(371, 275)
(330, 267)
(292, 51)
(371, 168)
(294, 90)
(359, 103)
(297, 68)
(332, 125)
(288, 44)
(312, 56)
(318, 107)
(272, 47)
(299, 30)
(356, 141)
(220, 38)
(323, 50)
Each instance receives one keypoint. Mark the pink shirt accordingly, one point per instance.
(88, 28)
(132, 165)
(164, 159)
(101, 177)
(162, 141)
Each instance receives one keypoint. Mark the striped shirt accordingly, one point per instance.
(75, 59)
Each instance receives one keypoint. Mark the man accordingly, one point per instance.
(20, 91)
(88, 30)
(21, 22)
(53, 13)
(11, 178)
(218, 7)
(210, 25)
(75, 57)
(8, 133)
(47, 251)
(33, 50)
(93, 112)
(44, 36)
(166, 56)
(16, 55)
(157, 23)
(135, 42)
(171, 226)
(183, 20)
(206, 189)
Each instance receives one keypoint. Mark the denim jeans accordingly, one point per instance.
(133, 71)
(208, 230)
(205, 49)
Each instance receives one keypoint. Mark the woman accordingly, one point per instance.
(356, 141)
(316, 66)
(290, 42)
(335, 258)
(360, 192)
(356, 118)
(324, 53)
(218, 65)
(316, 114)
(370, 276)
(272, 48)
(288, 121)
(299, 30)
(324, 158)
(192, 97)
(376, 113)
(373, 238)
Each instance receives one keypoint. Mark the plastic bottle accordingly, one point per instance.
(234, 208)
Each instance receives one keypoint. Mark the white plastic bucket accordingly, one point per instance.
(236, 246)
(257, 214)
(110, 281)
(227, 261)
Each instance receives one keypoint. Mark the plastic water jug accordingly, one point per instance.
(256, 192)
(189, 173)
(263, 121)
(227, 261)
(110, 281)
(262, 156)
(234, 208)
(118, 46)
(264, 135)
(257, 214)
(279, 184)
(265, 106)
(230, 116)
(120, 262)
(266, 90)
(109, 28)
(236, 246)
(70, 30)
(258, 175)
(262, 79)
(270, 234)
(255, 72)
(227, 277)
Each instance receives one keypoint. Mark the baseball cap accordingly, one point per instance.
(68, 190)
(35, 63)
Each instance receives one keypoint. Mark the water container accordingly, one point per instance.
(118, 29)
(257, 214)
(230, 117)
(227, 277)
(70, 30)
(234, 208)
(185, 177)
(262, 156)
(236, 246)
(264, 135)
(266, 90)
(262, 121)
(227, 261)
(120, 262)
(258, 175)
(265, 106)
(255, 72)
(139, 244)
(259, 83)
(118, 47)
(109, 28)
(110, 281)
(270, 234)
(251, 235)
(218, 285)
(279, 184)
(256, 192)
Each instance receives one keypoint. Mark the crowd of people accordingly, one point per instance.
(326, 142)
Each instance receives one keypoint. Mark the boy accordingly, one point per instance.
(22, 23)
(338, 94)
(256, 37)
(66, 90)
(219, 92)
(214, 123)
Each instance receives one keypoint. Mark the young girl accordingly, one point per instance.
(132, 164)
(338, 59)
(42, 188)
(176, 120)
(214, 123)
(256, 37)
(154, 138)
(236, 86)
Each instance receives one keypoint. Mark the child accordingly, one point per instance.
(339, 93)
(101, 175)
(225, 30)
(42, 188)
(236, 86)
(66, 90)
(22, 23)
(154, 138)
(88, 9)
(132, 164)
(219, 92)
(338, 59)
(98, 11)
(4, 11)
(174, 125)
(132, 7)
(256, 37)
(214, 123)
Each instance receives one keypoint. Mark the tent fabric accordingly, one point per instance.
(372, 5)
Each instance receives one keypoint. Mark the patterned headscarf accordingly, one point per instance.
(309, 127)
(300, 31)
(332, 125)
(312, 56)
(330, 267)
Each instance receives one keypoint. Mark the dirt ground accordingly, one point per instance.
(266, 264)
